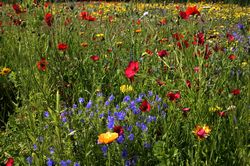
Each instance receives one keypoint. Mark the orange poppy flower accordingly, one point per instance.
(106, 138)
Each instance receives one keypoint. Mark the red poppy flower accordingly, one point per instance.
(196, 69)
(47, 4)
(177, 36)
(62, 46)
(42, 64)
(235, 91)
(17, 8)
(232, 57)
(163, 21)
(48, 19)
(10, 162)
(163, 53)
(186, 109)
(87, 16)
(188, 83)
(119, 130)
(132, 69)
(184, 15)
(201, 38)
(1, 4)
(145, 106)
(222, 113)
(95, 57)
(192, 11)
(173, 96)
(230, 37)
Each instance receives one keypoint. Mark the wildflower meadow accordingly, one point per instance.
(92, 83)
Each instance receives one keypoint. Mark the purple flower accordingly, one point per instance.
(151, 118)
(111, 122)
(101, 115)
(117, 107)
(126, 99)
(51, 150)
(81, 100)
(129, 128)
(150, 93)
(89, 105)
(29, 160)
(46, 114)
(74, 106)
(111, 98)
(68, 162)
(147, 145)
(124, 153)
(107, 103)
(63, 163)
(157, 98)
(50, 162)
(131, 137)
(240, 26)
(120, 115)
(76, 164)
(34, 146)
(104, 150)
(120, 139)
(144, 127)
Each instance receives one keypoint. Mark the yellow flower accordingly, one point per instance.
(99, 35)
(202, 132)
(118, 43)
(126, 88)
(215, 109)
(5, 71)
(106, 138)
(244, 64)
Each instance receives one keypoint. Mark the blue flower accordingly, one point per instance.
(34, 146)
(29, 160)
(151, 118)
(144, 127)
(129, 128)
(120, 139)
(76, 164)
(63, 163)
(51, 150)
(68, 162)
(111, 98)
(117, 107)
(131, 137)
(89, 105)
(124, 153)
(81, 100)
(120, 115)
(111, 122)
(101, 115)
(157, 98)
(74, 106)
(46, 114)
(126, 99)
(147, 145)
(50, 162)
(104, 150)
(107, 103)
(150, 93)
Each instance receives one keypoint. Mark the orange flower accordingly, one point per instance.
(202, 132)
(138, 30)
(106, 138)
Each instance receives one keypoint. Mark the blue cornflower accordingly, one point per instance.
(240, 26)
(29, 160)
(111, 98)
(46, 114)
(150, 93)
(50, 162)
(126, 99)
(124, 153)
(101, 115)
(138, 100)
(117, 107)
(157, 98)
(120, 139)
(107, 103)
(51, 150)
(131, 137)
(81, 100)
(89, 105)
(79, 112)
(147, 145)
(151, 118)
(129, 128)
(111, 122)
(76, 164)
(144, 127)
(104, 150)
(34, 146)
(63, 163)
(74, 106)
(64, 119)
(68, 162)
(120, 115)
